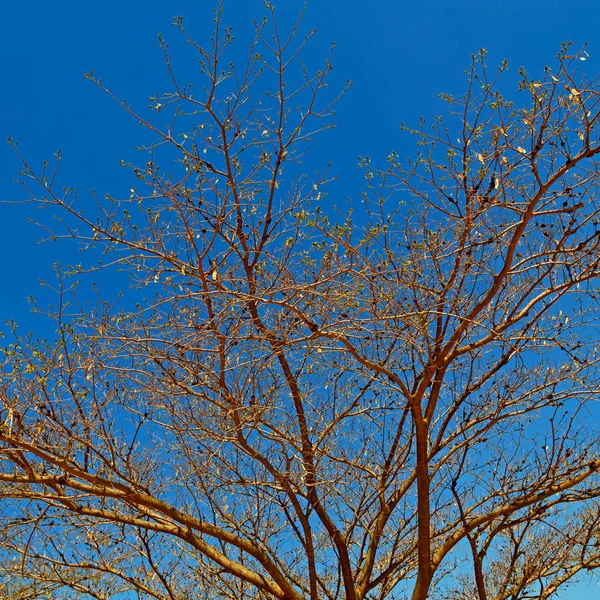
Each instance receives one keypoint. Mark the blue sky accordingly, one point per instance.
(399, 54)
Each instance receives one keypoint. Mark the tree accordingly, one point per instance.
(298, 401)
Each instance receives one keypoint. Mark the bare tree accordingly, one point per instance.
(298, 401)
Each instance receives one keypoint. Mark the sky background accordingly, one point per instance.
(399, 54)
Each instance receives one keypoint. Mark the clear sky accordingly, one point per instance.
(400, 54)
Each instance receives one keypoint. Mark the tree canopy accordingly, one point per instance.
(305, 398)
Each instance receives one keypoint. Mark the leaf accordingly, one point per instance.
(521, 150)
